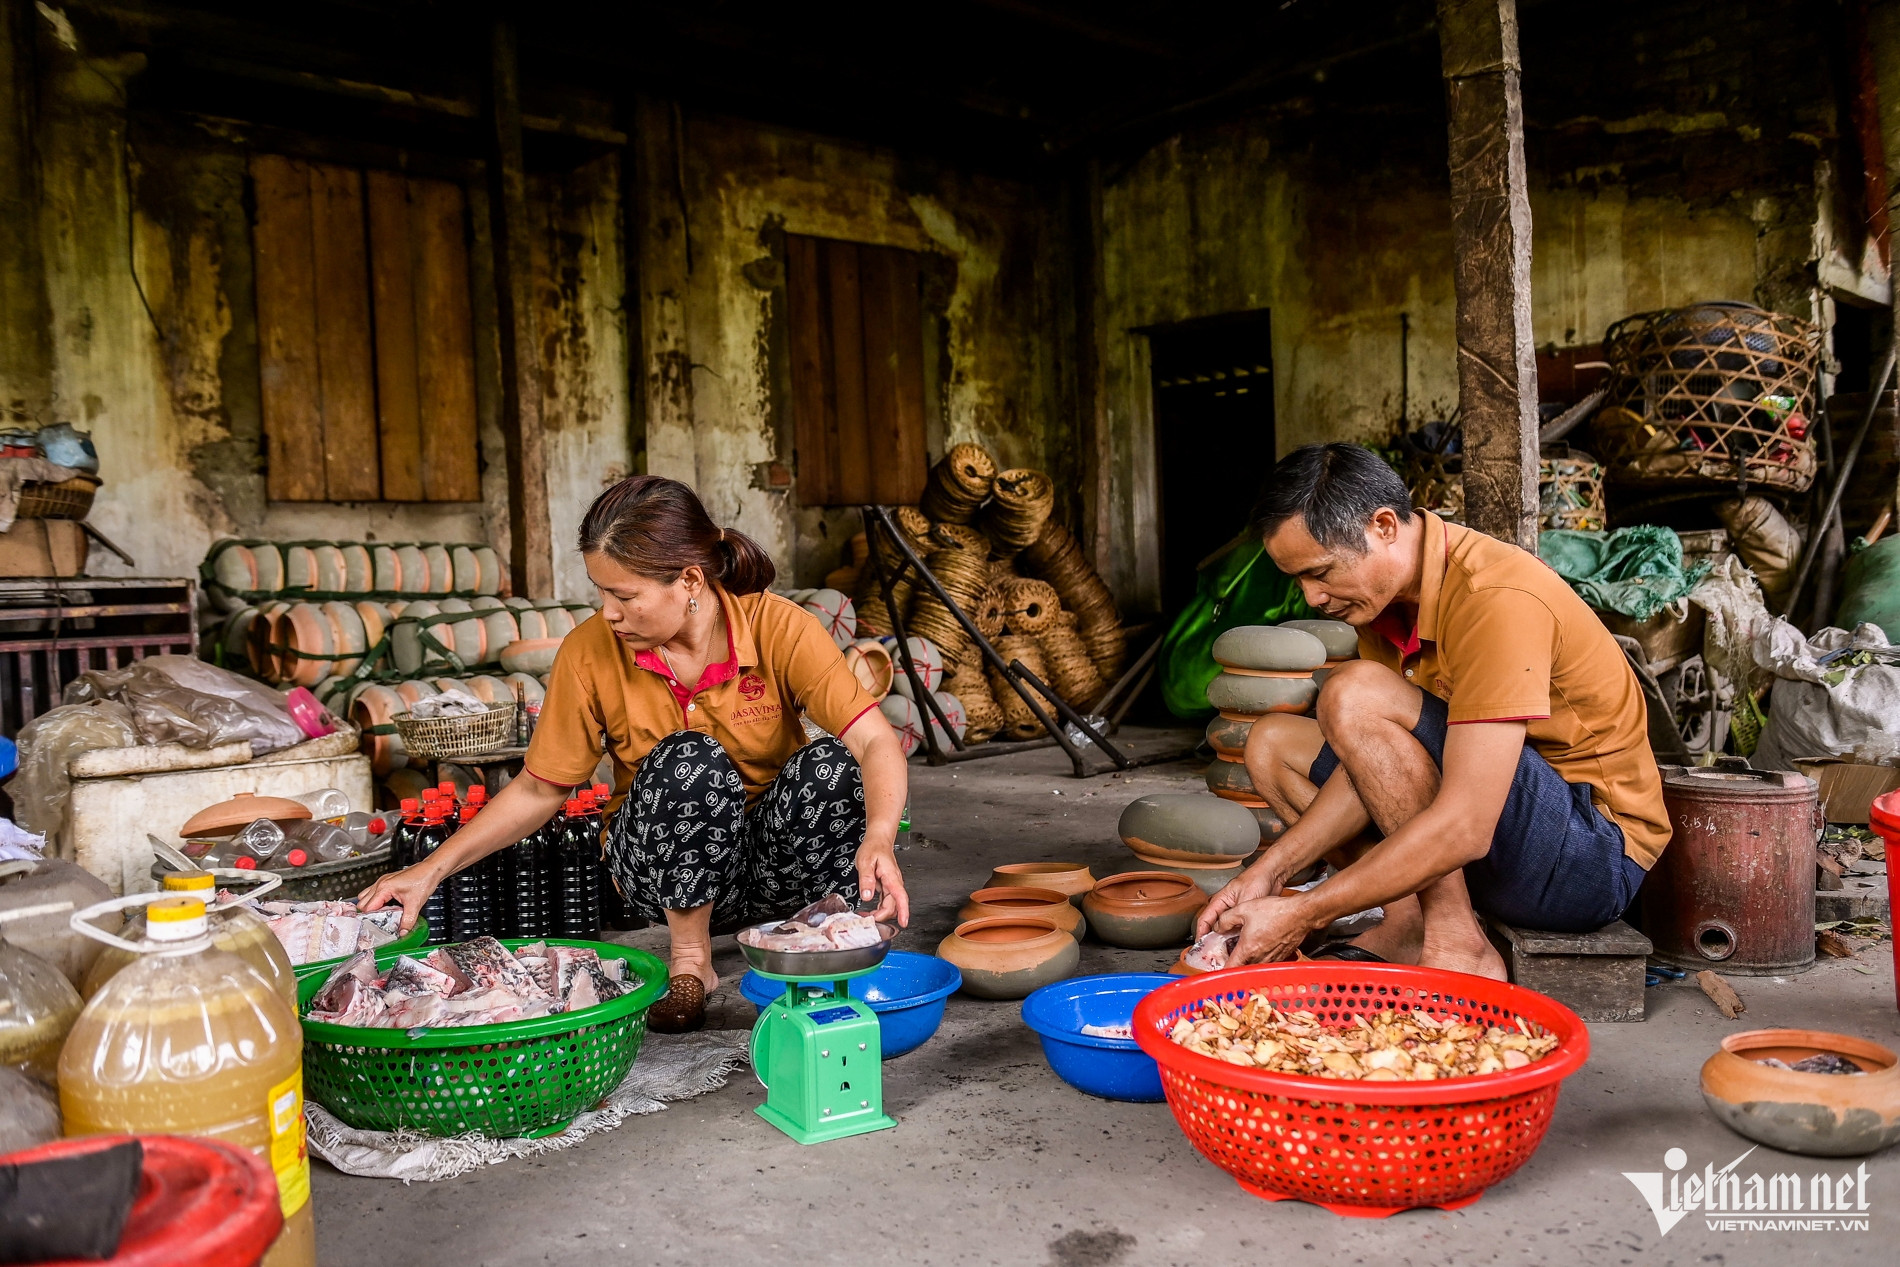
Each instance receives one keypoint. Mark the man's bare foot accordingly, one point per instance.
(694, 961)
(1461, 948)
(1397, 939)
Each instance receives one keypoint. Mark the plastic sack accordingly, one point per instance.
(1633, 571)
(1238, 586)
(1765, 541)
(41, 788)
(1870, 591)
(29, 1112)
(176, 699)
(1829, 705)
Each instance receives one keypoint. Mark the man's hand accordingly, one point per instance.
(1264, 878)
(1271, 928)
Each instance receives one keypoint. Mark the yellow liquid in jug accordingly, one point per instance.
(237, 929)
(197, 1044)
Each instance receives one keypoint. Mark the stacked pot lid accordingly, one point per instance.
(1266, 669)
(244, 573)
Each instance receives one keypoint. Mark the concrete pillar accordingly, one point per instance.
(1491, 242)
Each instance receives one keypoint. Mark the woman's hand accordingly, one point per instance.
(878, 872)
(410, 887)
(1264, 878)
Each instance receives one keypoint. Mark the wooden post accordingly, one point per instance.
(531, 535)
(662, 255)
(26, 348)
(1491, 242)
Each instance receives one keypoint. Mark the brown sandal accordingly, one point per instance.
(682, 1009)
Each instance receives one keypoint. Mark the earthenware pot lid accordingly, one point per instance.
(226, 818)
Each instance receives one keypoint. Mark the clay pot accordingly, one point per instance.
(1069, 878)
(414, 569)
(530, 655)
(264, 634)
(373, 707)
(871, 665)
(1015, 899)
(1230, 781)
(268, 561)
(1252, 691)
(489, 689)
(227, 818)
(357, 573)
(329, 568)
(560, 621)
(385, 570)
(1818, 1114)
(1140, 910)
(498, 625)
(349, 635)
(306, 628)
(1270, 648)
(1188, 828)
(441, 572)
(1227, 733)
(235, 569)
(1009, 956)
(406, 650)
(1340, 639)
(300, 567)
(464, 568)
(1209, 877)
(532, 624)
(488, 570)
(532, 692)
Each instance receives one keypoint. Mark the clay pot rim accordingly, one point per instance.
(1018, 893)
(1737, 1047)
(1145, 877)
(1239, 862)
(1038, 868)
(1047, 928)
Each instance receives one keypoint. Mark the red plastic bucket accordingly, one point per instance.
(199, 1202)
(1884, 818)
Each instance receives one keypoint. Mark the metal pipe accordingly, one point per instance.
(1819, 530)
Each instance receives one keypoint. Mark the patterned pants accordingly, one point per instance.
(685, 835)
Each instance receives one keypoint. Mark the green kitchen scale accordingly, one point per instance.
(817, 1051)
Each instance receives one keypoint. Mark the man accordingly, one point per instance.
(1488, 750)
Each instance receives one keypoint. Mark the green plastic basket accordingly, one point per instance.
(411, 940)
(518, 1078)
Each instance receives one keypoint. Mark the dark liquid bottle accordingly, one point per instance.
(576, 875)
(614, 911)
(429, 838)
(408, 823)
(529, 871)
(468, 891)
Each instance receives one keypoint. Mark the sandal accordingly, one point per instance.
(682, 1009)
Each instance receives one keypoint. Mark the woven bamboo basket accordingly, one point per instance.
(446, 738)
(68, 499)
(1714, 395)
(1570, 489)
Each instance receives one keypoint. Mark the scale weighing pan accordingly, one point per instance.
(803, 965)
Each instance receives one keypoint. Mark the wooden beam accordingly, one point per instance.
(663, 264)
(530, 532)
(1491, 244)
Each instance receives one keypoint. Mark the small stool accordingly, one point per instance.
(1598, 975)
(491, 766)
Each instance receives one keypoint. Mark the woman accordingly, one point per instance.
(696, 681)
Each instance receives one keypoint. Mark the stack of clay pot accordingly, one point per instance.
(990, 539)
(1205, 838)
(1020, 931)
(1266, 669)
(238, 574)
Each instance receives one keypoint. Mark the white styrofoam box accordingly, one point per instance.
(108, 818)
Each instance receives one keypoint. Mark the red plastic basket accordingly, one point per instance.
(1362, 1148)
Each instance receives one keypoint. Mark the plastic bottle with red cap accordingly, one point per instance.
(468, 892)
(430, 837)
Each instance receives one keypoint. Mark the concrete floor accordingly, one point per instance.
(995, 1160)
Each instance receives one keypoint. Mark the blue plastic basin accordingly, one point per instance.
(1113, 1068)
(907, 992)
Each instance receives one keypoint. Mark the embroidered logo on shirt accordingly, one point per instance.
(752, 686)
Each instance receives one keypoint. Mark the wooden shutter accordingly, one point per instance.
(365, 335)
(857, 348)
(425, 343)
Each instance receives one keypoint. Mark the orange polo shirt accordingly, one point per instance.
(603, 696)
(1502, 637)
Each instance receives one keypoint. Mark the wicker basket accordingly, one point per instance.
(1570, 489)
(69, 499)
(1715, 395)
(446, 738)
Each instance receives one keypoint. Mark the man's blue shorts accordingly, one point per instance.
(1556, 862)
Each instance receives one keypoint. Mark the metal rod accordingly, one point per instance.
(1818, 532)
(925, 699)
(1081, 723)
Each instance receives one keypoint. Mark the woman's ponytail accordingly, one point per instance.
(659, 528)
(748, 568)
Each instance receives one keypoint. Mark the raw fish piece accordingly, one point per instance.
(848, 932)
(337, 935)
(567, 961)
(533, 950)
(487, 964)
(441, 961)
(1211, 951)
(1109, 1031)
(821, 910)
(413, 976)
(360, 968)
(411, 1011)
(616, 969)
(605, 987)
(582, 993)
(542, 971)
(297, 931)
(351, 1002)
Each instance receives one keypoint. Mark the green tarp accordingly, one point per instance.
(1636, 571)
(1238, 586)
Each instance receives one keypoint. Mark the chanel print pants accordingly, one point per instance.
(685, 835)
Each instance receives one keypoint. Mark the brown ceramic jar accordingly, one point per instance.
(1014, 899)
(1819, 1114)
(1009, 956)
(1139, 910)
(1071, 879)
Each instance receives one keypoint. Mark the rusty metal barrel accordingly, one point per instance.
(1734, 891)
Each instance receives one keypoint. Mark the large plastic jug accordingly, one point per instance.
(234, 927)
(192, 1040)
(37, 1004)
